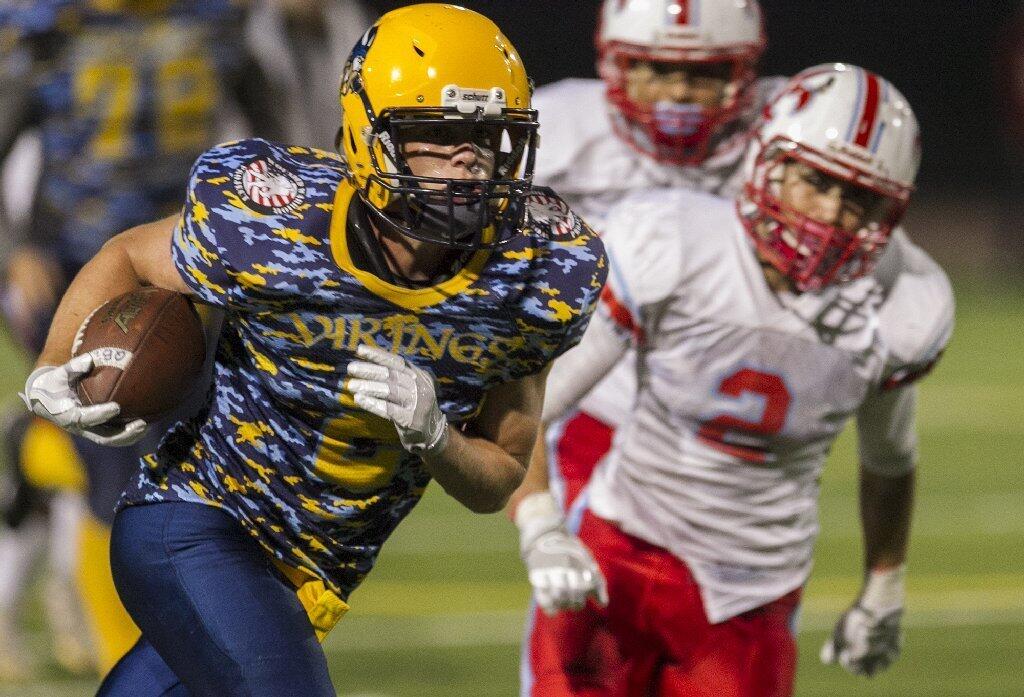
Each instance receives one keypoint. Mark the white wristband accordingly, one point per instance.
(884, 590)
(536, 514)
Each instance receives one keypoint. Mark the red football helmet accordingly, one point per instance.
(725, 37)
(850, 126)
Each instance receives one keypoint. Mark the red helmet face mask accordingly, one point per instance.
(812, 253)
(679, 132)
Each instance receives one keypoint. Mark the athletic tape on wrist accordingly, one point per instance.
(536, 514)
(884, 590)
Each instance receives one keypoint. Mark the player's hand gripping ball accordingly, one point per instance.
(134, 358)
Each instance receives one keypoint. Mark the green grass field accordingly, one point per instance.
(441, 615)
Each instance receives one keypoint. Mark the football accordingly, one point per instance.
(148, 348)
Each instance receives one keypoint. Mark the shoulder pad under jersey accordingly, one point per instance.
(253, 221)
(572, 115)
(655, 239)
(916, 317)
(561, 268)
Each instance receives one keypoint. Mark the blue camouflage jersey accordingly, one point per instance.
(319, 482)
(124, 101)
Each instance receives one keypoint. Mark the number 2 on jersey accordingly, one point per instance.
(727, 433)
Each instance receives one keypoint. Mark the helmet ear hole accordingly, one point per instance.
(352, 141)
(419, 51)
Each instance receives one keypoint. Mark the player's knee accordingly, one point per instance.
(135, 561)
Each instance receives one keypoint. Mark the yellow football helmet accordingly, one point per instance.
(444, 74)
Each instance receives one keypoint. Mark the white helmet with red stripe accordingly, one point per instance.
(729, 33)
(855, 127)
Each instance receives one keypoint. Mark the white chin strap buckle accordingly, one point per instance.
(468, 101)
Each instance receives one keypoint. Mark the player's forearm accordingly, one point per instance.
(140, 256)
(886, 506)
(536, 479)
(580, 369)
(476, 472)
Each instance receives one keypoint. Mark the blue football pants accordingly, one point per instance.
(216, 617)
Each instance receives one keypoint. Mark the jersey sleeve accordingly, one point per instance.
(201, 249)
(220, 244)
(916, 318)
(566, 270)
(644, 263)
(886, 431)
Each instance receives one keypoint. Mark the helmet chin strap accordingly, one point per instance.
(368, 253)
(463, 222)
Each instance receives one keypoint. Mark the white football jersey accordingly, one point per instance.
(742, 391)
(592, 169)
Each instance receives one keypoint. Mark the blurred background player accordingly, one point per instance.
(678, 98)
(675, 107)
(301, 43)
(759, 331)
(123, 95)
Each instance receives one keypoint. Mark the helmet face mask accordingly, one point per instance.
(480, 211)
(438, 134)
(810, 252)
(674, 132)
(717, 41)
(828, 175)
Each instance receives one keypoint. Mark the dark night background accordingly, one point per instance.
(944, 56)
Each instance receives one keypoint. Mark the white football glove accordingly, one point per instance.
(387, 385)
(50, 393)
(561, 569)
(867, 639)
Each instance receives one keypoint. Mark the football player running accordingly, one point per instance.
(389, 320)
(124, 94)
(675, 107)
(759, 330)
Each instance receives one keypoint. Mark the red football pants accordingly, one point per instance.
(654, 638)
